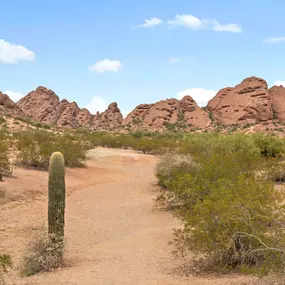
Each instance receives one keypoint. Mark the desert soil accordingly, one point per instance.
(114, 233)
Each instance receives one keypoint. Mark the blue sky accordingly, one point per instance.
(96, 52)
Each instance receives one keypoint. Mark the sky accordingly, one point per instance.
(133, 52)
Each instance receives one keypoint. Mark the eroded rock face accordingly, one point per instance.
(248, 102)
(67, 114)
(110, 119)
(40, 104)
(8, 106)
(193, 114)
(138, 114)
(43, 105)
(167, 112)
(84, 117)
(278, 102)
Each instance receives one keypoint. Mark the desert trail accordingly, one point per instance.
(114, 233)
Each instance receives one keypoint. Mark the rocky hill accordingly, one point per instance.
(43, 105)
(250, 102)
(183, 113)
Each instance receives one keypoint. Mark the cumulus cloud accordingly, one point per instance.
(200, 95)
(97, 104)
(188, 21)
(276, 40)
(106, 65)
(279, 83)
(12, 53)
(234, 28)
(149, 23)
(194, 23)
(15, 96)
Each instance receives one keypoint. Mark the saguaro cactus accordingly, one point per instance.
(56, 196)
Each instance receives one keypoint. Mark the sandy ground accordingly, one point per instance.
(114, 234)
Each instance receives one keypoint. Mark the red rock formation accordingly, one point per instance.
(167, 112)
(193, 114)
(110, 119)
(43, 105)
(278, 102)
(40, 105)
(8, 106)
(248, 102)
(84, 117)
(137, 114)
(67, 114)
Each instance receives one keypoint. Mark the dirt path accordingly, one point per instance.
(114, 234)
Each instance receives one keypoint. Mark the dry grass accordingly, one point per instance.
(43, 254)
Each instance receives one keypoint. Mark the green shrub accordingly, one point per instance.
(35, 149)
(269, 145)
(5, 164)
(231, 216)
(235, 225)
(72, 150)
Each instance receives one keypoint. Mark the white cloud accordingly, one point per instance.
(279, 83)
(97, 104)
(234, 28)
(188, 21)
(15, 96)
(194, 23)
(275, 40)
(200, 95)
(11, 53)
(106, 65)
(174, 59)
(150, 23)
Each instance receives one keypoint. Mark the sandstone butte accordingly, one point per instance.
(251, 101)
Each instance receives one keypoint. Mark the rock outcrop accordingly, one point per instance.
(278, 102)
(168, 112)
(248, 102)
(193, 114)
(110, 119)
(40, 105)
(8, 106)
(43, 105)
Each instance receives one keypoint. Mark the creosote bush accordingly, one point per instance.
(35, 149)
(232, 215)
(5, 164)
